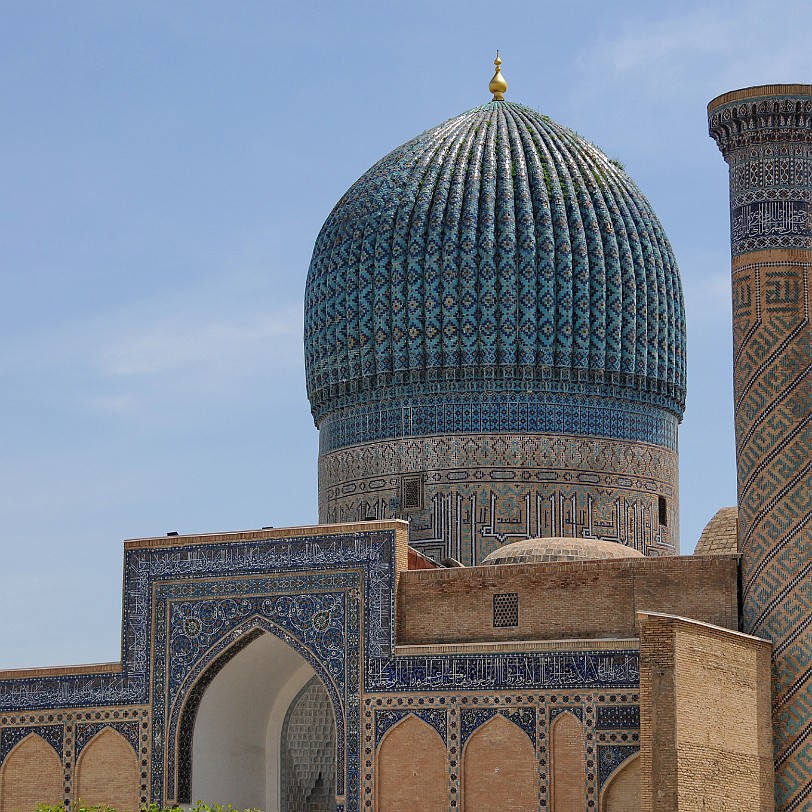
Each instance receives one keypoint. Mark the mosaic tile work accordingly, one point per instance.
(565, 414)
(767, 141)
(385, 719)
(484, 491)
(69, 731)
(619, 717)
(331, 598)
(323, 627)
(457, 716)
(498, 247)
(610, 757)
(765, 135)
(11, 736)
(85, 733)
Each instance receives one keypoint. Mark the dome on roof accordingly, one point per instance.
(500, 253)
(542, 550)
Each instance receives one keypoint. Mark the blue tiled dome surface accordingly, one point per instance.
(498, 254)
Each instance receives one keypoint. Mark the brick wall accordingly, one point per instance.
(622, 792)
(107, 773)
(594, 599)
(31, 775)
(705, 730)
(411, 771)
(568, 763)
(499, 769)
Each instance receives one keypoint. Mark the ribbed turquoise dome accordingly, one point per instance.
(498, 253)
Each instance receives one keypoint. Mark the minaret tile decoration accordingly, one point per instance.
(765, 135)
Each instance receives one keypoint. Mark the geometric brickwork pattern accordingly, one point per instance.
(308, 752)
(484, 491)
(330, 597)
(773, 388)
(766, 137)
(611, 723)
(497, 252)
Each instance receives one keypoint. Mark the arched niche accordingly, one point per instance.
(567, 763)
(621, 793)
(31, 774)
(229, 740)
(308, 754)
(499, 769)
(107, 772)
(411, 769)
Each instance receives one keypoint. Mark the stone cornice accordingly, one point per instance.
(759, 115)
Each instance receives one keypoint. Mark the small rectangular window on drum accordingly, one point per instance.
(411, 492)
(663, 510)
(506, 609)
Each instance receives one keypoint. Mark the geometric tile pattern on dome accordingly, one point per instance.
(307, 758)
(499, 247)
(767, 141)
(566, 414)
(484, 491)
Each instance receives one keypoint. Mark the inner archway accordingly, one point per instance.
(237, 743)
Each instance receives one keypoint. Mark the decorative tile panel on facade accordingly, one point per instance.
(492, 613)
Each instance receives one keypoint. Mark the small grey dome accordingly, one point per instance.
(542, 550)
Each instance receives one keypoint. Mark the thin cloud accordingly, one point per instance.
(673, 54)
(194, 341)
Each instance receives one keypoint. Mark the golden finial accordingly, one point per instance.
(498, 85)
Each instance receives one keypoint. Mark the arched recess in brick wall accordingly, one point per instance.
(107, 772)
(622, 791)
(31, 774)
(411, 769)
(499, 769)
(567, 764)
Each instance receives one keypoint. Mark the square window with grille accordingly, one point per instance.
(411, 492)
(506, 609)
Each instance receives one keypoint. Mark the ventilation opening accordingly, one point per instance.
(411, 492)
(506, 609)
(663, 508)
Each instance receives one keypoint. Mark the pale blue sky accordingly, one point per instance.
(165, 169)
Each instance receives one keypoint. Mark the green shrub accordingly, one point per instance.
(79, 806)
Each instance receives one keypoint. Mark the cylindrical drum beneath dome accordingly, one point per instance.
(494, 342)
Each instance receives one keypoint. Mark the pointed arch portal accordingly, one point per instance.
(241, 740)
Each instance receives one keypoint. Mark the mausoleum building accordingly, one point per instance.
(492, 613)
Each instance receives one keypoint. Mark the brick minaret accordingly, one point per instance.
(765, 135)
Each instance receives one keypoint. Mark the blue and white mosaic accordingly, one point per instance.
(331, 598)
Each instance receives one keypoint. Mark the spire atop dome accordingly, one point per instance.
(498, 85)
